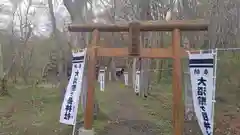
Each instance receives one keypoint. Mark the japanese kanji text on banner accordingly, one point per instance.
(102, 79)
(137, 83)
(70, 103)
(202, 73)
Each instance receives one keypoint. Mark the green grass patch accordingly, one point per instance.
(158, 106)
(35, 111)
(32, 111)
(107, 106)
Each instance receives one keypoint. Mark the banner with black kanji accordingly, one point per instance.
(102, 79)
(68, 114)
(201, 74)
(137, 83)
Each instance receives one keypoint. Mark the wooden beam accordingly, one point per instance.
(183, 25)
(155, 53)
(92, 59)
(144, 52)
(177, 81)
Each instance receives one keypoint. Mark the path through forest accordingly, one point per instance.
(127, 116)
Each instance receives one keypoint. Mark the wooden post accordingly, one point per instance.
(134, 37)
(177, 84)
(92, 59)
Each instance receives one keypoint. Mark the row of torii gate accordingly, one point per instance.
(134, 50)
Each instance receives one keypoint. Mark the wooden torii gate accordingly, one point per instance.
(134, 50)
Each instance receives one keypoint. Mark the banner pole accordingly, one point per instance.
(214, 86)
(74, 127)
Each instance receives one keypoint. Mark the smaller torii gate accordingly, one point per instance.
(134, 50)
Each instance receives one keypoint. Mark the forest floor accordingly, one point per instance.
(35, 111)
(31, 111)
(133, 115)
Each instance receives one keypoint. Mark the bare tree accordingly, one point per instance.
(25, 51)
(77, 10)
(59, 47)
(17, 51)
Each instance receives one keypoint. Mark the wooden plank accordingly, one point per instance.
(156, 53)
(144, 52)
(112, 52)
(183, 25)
(177, 84)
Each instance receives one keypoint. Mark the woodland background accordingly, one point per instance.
(36, 46)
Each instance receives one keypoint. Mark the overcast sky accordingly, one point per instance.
(39, 17)
(40, 14)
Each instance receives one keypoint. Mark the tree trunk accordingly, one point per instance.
(3, 89)
(61, 74)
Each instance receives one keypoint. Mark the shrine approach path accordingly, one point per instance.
(126, 115)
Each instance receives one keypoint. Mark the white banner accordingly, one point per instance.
(102, 79)
(110, 76)
(137, 82)
(70, 103)
(202, 75)
(98, 76)
(126, 78)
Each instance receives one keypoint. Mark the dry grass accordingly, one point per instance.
(31, 111)
(227, 94)
(158, 106)
(35, 111)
